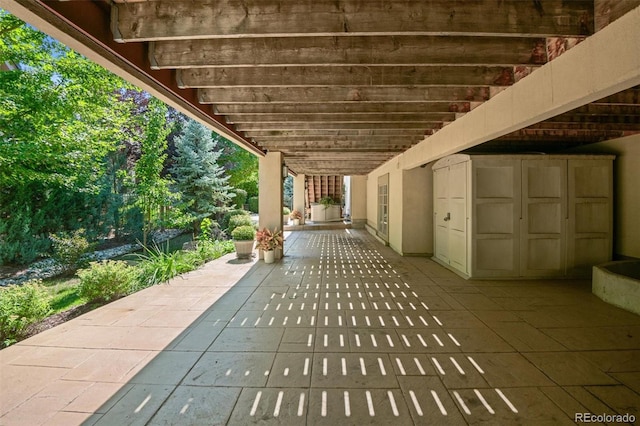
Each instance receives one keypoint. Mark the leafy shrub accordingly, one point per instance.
(228, 215)
(158, 266)
(253, 204)
(104, 281)
(286, 211)
(69, 248)
(209, 250)
(205, 229)
(241, 197)
(21, 306)
(240, 220)
(243, 233)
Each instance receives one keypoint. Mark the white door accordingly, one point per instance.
(383, 207)
(451, 215)
(544, 218)
(441, 208)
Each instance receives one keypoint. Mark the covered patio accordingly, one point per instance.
(342, 330)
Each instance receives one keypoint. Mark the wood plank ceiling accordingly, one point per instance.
(341, 86)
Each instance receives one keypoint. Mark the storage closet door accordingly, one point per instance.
(544, 218)
(590, 215)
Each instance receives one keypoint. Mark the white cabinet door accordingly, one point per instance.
(590, 210)
(544, 218)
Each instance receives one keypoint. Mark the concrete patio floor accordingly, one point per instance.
(341, 331)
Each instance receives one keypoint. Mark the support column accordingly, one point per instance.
(270, 193)
(358, 201)
(298, 195)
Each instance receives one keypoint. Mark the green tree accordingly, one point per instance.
(199, 178)
(60, 117)
(241, 165)
(152, 190)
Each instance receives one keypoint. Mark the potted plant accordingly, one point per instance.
(243, 239)
(268, 241)
(285, 215)
(295, 216)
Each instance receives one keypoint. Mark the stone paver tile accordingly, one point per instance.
(231, 369)
(352, 371)
(505, 370)
(291, 370)
(108, 314)
(271, 405)
(330, 339)
(98, 398)
(218, 315)
(429, 401)
(457, 371)
(374, 340)
(51, 356)
(110, 366)
(416, 364)
(137, 407)
(357, 406)
(249, 339)
(454, 319)
(615, 361)
(479, 340)
(491, 317)
(597, 338)
(172, 318)
(194, 405)
(525, 338)
(632, 380)
(621, 399)
(569, 368)
(509, 406)
(564, 400)
(25, 381)
(475, 302)
(136, 317)
(587, 399)
(39, 408)
(166, 368)
(197, 337)
(66, 418)
(299, 339)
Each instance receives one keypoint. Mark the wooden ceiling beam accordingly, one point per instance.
(343, 94)
(342, 108)
(366, 133)
(337, 144)
(247, 127)
(162, 20)
(348, 51)
(303, 76)
(341, 118)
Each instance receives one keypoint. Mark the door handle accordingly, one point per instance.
(447, 217)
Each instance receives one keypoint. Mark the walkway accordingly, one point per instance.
(341, 331)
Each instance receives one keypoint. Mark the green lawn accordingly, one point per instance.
(63, 293)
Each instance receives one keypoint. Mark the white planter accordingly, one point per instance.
(269, 256)
(321, 213)
(296, 222)
(244, 248)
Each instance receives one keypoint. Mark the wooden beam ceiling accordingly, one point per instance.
(341, 86)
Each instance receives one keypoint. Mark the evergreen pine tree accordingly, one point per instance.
(198, 176)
